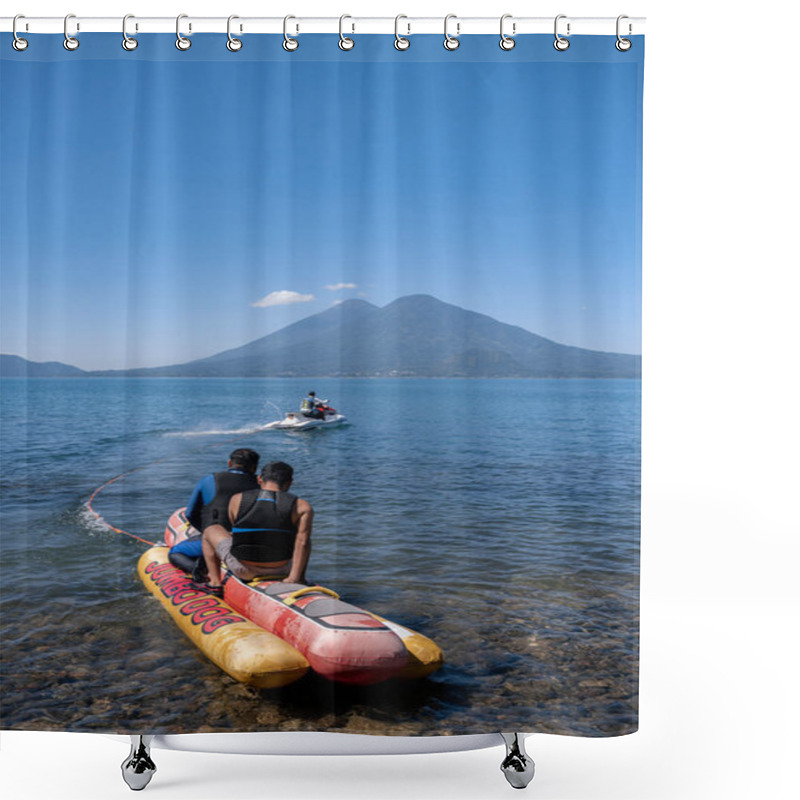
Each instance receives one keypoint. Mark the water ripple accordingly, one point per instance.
(513, 545)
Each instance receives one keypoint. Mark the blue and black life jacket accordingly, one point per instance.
(263, 530)
(227, 484)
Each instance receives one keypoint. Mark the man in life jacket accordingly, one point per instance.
(270, 536)
(311, 407)
(208, 506)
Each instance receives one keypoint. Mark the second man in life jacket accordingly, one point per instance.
(208, 506)
(270, 536)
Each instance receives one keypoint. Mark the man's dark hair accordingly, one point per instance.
(244, 458)
(312, 394)
(277, 471)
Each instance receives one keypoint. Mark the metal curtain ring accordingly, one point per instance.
(18, 43)
(181, 42)
(128, 43)
(507, 42)
(560, 43)
(623, 45)
(401, 42)
(233, 44)
(451, 42)
(345, 43)
(70, 42)
(289, 44)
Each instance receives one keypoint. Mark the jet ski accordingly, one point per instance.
(301, 421)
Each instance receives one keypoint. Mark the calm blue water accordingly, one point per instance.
(499, 517)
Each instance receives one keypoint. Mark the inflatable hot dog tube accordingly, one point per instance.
(340, 641)
(237, 645)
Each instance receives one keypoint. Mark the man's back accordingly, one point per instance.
(264, 527)
(208, 504)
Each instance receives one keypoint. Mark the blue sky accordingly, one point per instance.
(160, 206)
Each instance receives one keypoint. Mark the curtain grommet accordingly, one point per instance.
(290, 44)
(622, 44)
(561, 44)
(451, 42)
(345, 42)
(233, 44)
(401, 43)
(70, 42)
(128, 42)
(18, 43)
(507, 42)
(181, 41)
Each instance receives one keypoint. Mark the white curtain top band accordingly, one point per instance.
(407, 25)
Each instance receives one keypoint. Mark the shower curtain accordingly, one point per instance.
(411, 274)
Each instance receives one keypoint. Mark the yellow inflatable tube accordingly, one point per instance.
(245, 651)
(424, 655)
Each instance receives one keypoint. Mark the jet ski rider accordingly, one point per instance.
(313, 408)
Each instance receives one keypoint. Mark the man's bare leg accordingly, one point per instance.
(211, 537)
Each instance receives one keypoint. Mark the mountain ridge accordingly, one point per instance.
(413, 336)
(12, 366)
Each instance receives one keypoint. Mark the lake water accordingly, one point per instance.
(498, 517)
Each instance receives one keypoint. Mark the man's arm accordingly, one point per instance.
(194, 508)
(303, 517)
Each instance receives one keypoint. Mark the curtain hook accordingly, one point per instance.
(70, 42)
(345, 43)
(181, 42)
(128, 42)
(289, 44)
(401, 42)
(451, 42)
(622, 44)
(507, 42)
(233, 44)
(18, 43)
(561, 43)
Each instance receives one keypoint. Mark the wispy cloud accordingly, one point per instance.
(282, 298)
(335, 287)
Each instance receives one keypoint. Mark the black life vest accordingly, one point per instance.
(227, 485)
(263, 530)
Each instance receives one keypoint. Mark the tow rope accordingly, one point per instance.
(130, 472)
(107, 524)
